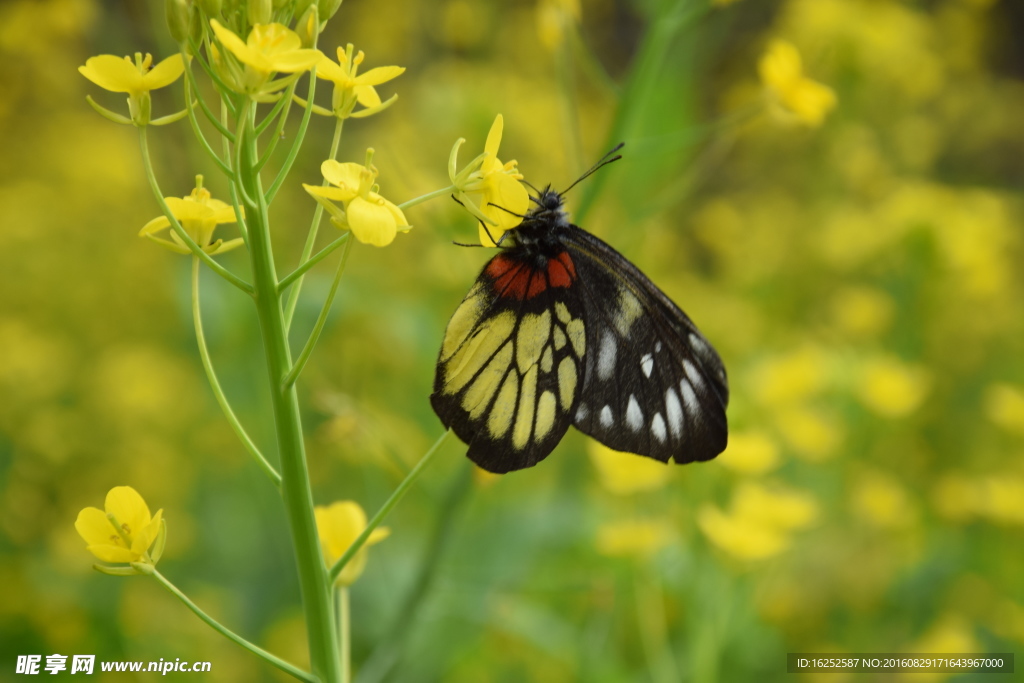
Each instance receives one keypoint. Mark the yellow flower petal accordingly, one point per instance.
(626, 473)
(380, 74)
(145, 536)
(94, 527)
(187, 210)
(504, 191)
(129, 508)
(164, 73)
(115, 74)
(341, 194)
(367, 96)
(344, 175)
(494, 136)
(110, 553)
(400, 220)
(233, 43)
(371, 223)
(156, 225)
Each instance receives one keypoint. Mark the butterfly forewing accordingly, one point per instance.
(511, 362)
(653, 385)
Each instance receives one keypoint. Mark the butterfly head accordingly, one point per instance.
(549, 210)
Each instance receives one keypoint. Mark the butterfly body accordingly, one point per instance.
(560, 329)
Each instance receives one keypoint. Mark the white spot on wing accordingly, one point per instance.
(674, 411)
(657, 347)
(689, 398)
(634, 417)
(647, 363)
(582, 412)
(693, 373)
(606, 417)
(658, 427)
(606, 356)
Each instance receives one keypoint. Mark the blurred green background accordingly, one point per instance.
(862, 280)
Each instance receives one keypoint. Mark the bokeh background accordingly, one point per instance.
(861, 278)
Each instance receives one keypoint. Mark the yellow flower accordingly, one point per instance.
(1004, 405)
(371, 218)
(760, 521)
(269, 49)
(487, 184)
(633, 538)
(136, 78)
(625, 473)
(796, 96)
(339, 525)
(555, 18)
(199, 215)
(750, 453)
(118, 74)
(351, 89)
(891, 388)
(125, 531)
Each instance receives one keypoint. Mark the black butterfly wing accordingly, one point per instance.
(510, 367)
(652, 384)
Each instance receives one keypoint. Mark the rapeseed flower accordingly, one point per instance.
(760, 521)
(371, 218)
(490, 189)
(339, 525)
(352, 88)
(625, 473)
(633, 538)
(199, 214)
(124, 531)
(269, 49)
(137, 78)
(794, 95)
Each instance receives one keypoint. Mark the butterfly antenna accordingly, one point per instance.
(530, 185)
(605, 160)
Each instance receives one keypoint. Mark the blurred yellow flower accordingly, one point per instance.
(487, 184)
(269, 49)
(891, 388)
(371, 218)
(810, 432)
(136, 78)
(760, 520)
(950, 633)
(1004, 405)
(351, 89)
(199, 214)
(339, 525)
(752, 452)
(555, 19)
(124, 531)
(795, 96)
(792, 376)
(625, 473)
(118, 74)
(880, 500)
(633, 538)
(862, 311)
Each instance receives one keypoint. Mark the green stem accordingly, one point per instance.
(314, 227)
(321, 320)
(191, 85)
(295, 485)
(304, 268)
(218, 392)
(286, 167)
(231, 635)
(176, 226)
(265, 123)
(279, 129)
(225, 169)
(422, 198)
(345, 629)
(650, 609)
(235, 202)
(389, 504)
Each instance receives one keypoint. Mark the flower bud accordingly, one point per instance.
(328, 8)
(260, 11)
(176, 12)
(210, 7)
(308, 26)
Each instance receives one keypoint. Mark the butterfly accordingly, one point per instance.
(561, 329)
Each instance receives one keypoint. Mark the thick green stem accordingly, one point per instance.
(218, 392)
(231, 635)
(345, 628)
(295, 485)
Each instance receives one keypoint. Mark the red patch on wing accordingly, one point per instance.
(561, 270)
(518, 280)
(511, 278)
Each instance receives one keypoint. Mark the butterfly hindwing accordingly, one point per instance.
(653, 385)
(511, 364)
